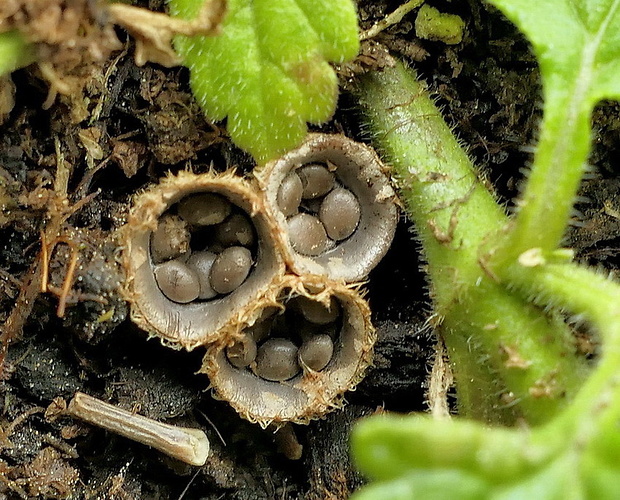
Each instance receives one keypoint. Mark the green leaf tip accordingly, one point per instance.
(15, 52)
(390, 447)
(574, 457)
(268, 71)
(426, 485)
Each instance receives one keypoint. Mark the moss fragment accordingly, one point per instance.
(431, 24)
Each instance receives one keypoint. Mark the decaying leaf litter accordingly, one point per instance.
(86, 130)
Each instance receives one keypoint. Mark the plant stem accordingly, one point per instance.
(547, 202)
(560, 159)
(592, 418)
(509, 358)
(555, 284)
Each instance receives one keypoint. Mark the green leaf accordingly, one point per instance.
(577, 43)
(414, 457)
(268, 71)
(391, 446)
(427, 484)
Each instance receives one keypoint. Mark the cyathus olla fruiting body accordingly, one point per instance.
(197, 250)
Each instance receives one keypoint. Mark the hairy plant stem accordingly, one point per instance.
(572, 86)
(509, 358)
(546, 205)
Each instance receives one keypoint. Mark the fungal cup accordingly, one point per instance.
(256, 271)
(335, 202)
(297, 364)
(197, 250)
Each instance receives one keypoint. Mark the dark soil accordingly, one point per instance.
(123, 127)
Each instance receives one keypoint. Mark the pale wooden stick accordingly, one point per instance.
(188, 445)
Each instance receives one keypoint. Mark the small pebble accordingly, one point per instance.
(201, 263)
(170, 240)
(177, 281)
(340, 213)
(317, 313)
(289, 194)
(316, 180)
(230, 269)
(242, 352)
(276, 360)
(307, 235)
(236, 230)
(204, 209)
(316, 353)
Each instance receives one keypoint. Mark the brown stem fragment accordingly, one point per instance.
(153, 31)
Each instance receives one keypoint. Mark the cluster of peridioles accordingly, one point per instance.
(320, 212)
(202, 247)
(264, 271)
